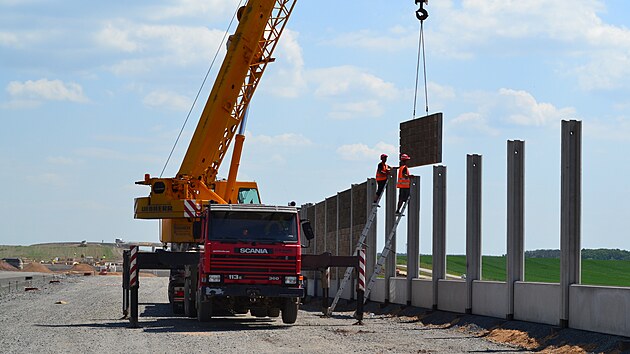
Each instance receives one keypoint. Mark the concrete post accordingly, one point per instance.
(570, 212)
(413, 234)
(371, 249)
(515, 219)
(315, 241)
(351, 244)
(473, 225)
(390, 210)
(337, 240)
(326, 225)
(439, 229)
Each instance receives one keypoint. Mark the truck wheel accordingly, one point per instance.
(189, 300)
(204, 309)
(273, 312)
(290, 312)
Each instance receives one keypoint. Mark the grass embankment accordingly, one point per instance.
(47, 252)
(547, 270)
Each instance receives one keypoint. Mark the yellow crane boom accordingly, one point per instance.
(178, 200)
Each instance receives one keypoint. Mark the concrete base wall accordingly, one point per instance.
(333, 288)
(310, 287)
(592, 308)
(349, 292)
(537, 302)
(452, 295)
(377, 293)
(490, 298)
(422, 293)
(398, 291)
(600, 309)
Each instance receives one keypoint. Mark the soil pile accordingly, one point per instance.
(515, 337)
(36, 268)
(6, 266)
(82, 267)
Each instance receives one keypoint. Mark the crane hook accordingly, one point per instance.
(422, 14)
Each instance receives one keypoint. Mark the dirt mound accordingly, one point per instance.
(82, 267)
(6, 266)
(515, 337)
(36, 268)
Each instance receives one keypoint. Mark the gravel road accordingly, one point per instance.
(87, 320)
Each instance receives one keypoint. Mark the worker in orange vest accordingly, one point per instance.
(382, 171)
(404, 181)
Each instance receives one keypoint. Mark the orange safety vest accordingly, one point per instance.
(382, 174)
(403, 182)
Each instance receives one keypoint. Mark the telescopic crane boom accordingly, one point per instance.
(179, 200)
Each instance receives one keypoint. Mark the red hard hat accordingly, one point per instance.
(383, 155)
(404, 157)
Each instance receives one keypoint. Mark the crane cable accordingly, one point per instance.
(216, 54)
(422, 15)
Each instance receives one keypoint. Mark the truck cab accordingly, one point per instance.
(251, 260)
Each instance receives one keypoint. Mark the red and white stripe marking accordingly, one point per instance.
(362, 269)
(133, 266)
(191, 208)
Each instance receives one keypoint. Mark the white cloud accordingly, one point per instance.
(362, 152)
(157, 45)
(168, 100)
(116, 38)
(289, 80)
(596, 52)
(476, 122)
(350, 80)
(508, 107)
(196, 8)
(523, 109)
(286, 139)
(8, 39)
(395, 39)
(61, 160)
(358, 109)
(44, 89)
(607, 71)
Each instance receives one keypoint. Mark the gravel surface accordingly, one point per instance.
(82, 315)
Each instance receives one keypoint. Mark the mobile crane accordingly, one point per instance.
(249, 255)
(229, 253)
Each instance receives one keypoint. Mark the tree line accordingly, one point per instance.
(603, 254)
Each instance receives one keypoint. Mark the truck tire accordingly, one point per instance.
(204, 309)
(189, 301)
(290, 311)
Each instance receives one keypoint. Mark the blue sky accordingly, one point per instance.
(93, 95)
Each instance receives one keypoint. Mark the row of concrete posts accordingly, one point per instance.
(570, 223)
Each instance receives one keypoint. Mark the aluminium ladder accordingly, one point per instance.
(384, 253)
(360, 243)
(381, 260)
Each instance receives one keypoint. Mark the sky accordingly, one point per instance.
(94, 94)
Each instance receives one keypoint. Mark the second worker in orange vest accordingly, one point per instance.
(404, 181)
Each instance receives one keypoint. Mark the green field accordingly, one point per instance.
(47, 252)
(547, 270)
